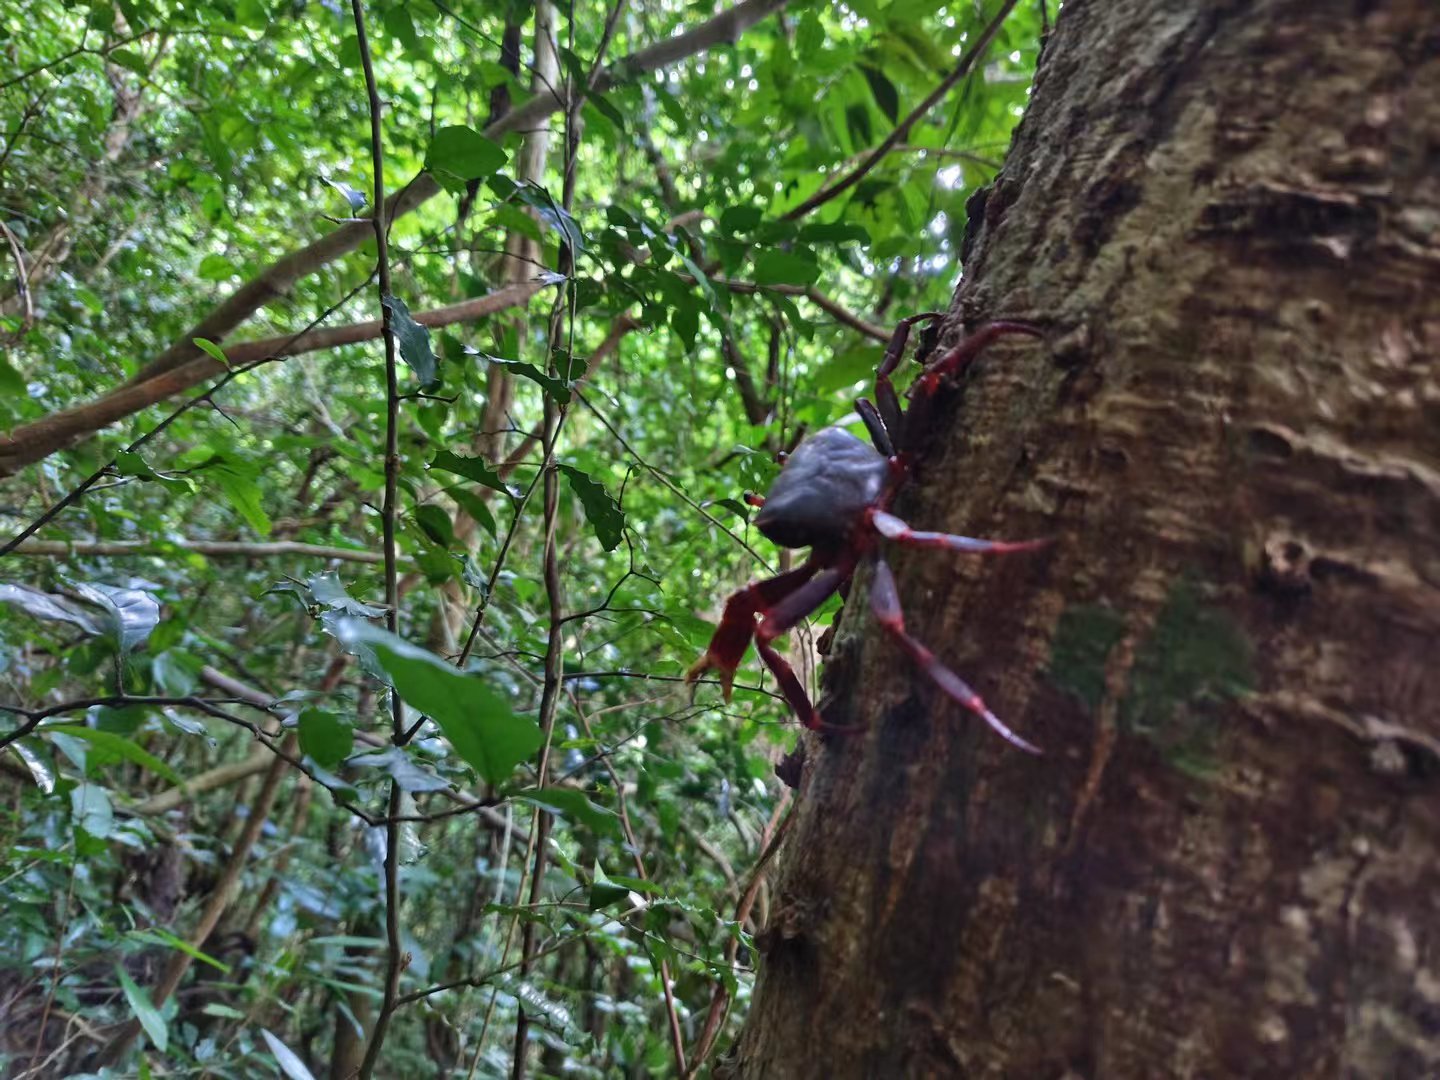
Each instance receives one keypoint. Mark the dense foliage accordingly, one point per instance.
(692, 310)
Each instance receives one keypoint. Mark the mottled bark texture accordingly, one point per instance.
(1227, 216)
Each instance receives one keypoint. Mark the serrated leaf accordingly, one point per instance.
(414, 340)
(572, 805)
(324, 736)
(556, 387)
(472, 468)
(149, 1016)
(327, 589)
(604, 513)
(116, 746)
(463, 153)
(288, 1060)
(785, 268)
(478, 721)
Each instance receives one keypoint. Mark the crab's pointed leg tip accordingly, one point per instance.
(998, 726)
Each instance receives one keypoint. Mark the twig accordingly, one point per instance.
(855, 175)
(388, 519)
(215, 548)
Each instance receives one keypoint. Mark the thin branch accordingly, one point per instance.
(968, 60)
(212, 548)
(389, 516)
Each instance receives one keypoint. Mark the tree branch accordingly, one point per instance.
(221, 548)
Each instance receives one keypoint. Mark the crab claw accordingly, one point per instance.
(710, 662)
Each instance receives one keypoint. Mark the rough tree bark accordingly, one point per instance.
(1227, 216)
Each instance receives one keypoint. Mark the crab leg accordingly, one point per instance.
(966, 350)
(885, 396)
(885, 603)
(781, 618)
(892, 528)
(737, 624)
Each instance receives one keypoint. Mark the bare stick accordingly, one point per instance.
(388, 517)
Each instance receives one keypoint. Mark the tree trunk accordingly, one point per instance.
(1227, 217)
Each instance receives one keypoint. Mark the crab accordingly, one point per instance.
(834, 496)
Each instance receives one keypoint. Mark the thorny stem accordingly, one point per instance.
(388, 514)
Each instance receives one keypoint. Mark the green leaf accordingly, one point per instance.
(604, 513)
(475, 506)
(478, 721)
(414, 340)
(886, 96)
(49, 606)
(572, 805)
(463, 153)
(157, 935)
(847, 368)
(91, 810)
(604, 892)
(327, 590)
(436, 524)
(288, 1060)
(834, 232)
(115, 746)
(325, 737)
(606, 109)
(557, 388)
(129, 59)
(149, 1016)
(472, 468)
(511, 217)
(740, 219)
(785, 268)
(401, 767)
(130, 614)
(128, 463)
(237, 481)
(214, 268)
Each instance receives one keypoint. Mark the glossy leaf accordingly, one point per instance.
(414, 341)
(604, 513)
(477, 720)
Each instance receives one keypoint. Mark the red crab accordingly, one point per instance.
(833, 496)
